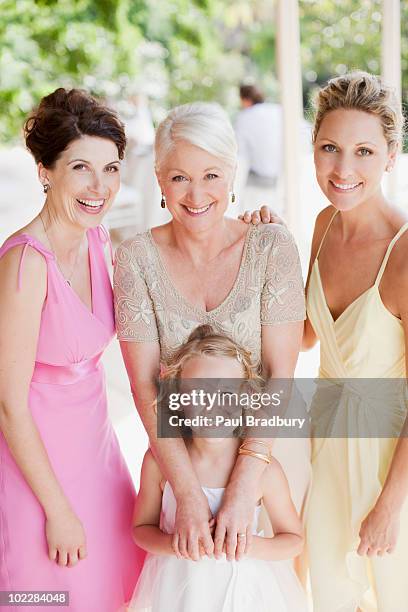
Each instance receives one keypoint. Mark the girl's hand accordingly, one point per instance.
(66, 538)
(234, 523)
(211, 524)
(192, 528)
(379, 532)
(265, 214)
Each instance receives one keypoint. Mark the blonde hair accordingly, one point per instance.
(365, 92)
(204, 340)
(202, 124)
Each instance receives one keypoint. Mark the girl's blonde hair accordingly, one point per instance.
(204, 340)
(365, 92)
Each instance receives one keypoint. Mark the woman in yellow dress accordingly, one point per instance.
(357, 304)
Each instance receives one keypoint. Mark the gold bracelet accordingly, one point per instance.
(254, 441)
(245, 443)
(243, 451)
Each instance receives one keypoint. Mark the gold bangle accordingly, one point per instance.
(245, 443)
(243, 451)
(254, 441)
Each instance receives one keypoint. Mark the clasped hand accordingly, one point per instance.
(198, 533)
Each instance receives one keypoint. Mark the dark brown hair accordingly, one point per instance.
(252, 93)
(64, 116)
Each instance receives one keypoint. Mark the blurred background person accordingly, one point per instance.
(258, 129)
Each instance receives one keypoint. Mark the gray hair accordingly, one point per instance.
(201, 124)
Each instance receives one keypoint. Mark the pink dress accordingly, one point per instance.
(67, 399)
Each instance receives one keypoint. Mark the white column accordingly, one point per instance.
(290, 78)
(391, 65)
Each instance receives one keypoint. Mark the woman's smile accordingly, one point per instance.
(344, 188)
(197, 211)
(91, 206)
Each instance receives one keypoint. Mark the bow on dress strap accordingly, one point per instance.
(30, 242)
(105, 238)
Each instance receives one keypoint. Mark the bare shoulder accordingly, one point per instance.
(162, 234)
(35, 265)
(31, 229)
(397, 218)
(325, 215)
(398, 261)
(322, 220)
(21, 303)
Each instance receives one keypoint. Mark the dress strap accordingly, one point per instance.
(398, 235)
(27, 241)
(105, 238)
(325, 233)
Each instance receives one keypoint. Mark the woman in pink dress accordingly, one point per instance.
(66, 494)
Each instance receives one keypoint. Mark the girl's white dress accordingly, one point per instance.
(210, 585)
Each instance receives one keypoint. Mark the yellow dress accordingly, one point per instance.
(365, 342)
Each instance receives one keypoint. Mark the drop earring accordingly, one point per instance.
(163, 201)
(233, 198)
(46, 187)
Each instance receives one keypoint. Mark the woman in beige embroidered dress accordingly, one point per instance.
(203, 267)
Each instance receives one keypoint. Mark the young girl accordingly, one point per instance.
(264, 580)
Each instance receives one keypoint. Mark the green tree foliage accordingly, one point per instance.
(170, 50)
(174, 50)
(339, 36)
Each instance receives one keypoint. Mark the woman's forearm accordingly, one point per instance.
(280, 547)
(246, 475)
(29, 453)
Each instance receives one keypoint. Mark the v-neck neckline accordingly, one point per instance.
(374, 286)
(91, 310)
(357, 299)
(187, 303)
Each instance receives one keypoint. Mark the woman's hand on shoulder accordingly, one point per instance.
(265, 215)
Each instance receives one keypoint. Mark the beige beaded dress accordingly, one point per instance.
(268, 290)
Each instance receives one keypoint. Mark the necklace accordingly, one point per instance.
(70, 277)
